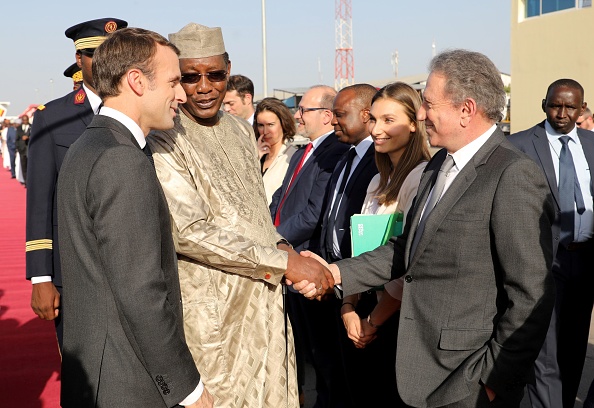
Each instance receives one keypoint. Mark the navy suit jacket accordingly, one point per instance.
(301, 211)
(534, 143)
(352, 202)
(55, 128)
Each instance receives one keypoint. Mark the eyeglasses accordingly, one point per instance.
(214, 76)
(302, 110)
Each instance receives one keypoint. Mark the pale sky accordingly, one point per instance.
(300, 38)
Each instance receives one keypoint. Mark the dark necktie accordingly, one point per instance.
(332, 217)
(438, 187)
(570, 194)
(149, 154)
(297, 170)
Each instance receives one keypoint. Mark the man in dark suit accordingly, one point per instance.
(124, 342)
(344, 197)
(11, 146)
(346, 193)
(56, 126)
(559, 366)
(23, 131)
(476, 251)
(296, 210)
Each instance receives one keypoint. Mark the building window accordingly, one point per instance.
(538, 7)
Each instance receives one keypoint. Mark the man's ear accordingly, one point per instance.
(78, 57)
(137, 81)
(544, 104)
(468, 109)
(365, 115)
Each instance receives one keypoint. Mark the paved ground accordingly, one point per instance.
(587, 377)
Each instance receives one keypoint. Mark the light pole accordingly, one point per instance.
(51, 89)
(264, 69)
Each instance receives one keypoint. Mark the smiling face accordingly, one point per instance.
(205, 96)
(350, 118)
(441, 116)
(563, 106)
(164, 93)
(391, 129)
(270, 128)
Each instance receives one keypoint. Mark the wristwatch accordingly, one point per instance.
(284, 241)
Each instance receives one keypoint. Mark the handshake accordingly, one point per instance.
(309, 274)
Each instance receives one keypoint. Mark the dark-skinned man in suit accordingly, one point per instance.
(558, 368)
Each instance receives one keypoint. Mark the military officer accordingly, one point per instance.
(56, 126)
(74, 72)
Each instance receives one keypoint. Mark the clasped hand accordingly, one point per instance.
(309, 272)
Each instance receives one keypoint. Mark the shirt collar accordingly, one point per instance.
(126, 121)
(94, 99)
(466, 153)
(319, 140)
(553, 135)
(363, 145)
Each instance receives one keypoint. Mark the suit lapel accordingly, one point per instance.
(463, 181)
(543, 150)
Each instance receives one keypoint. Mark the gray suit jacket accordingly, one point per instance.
(535, 143)
(478, 292)
(124, 343)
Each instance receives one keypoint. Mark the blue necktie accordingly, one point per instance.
(570, 194)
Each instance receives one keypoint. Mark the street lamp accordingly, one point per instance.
(264, 70)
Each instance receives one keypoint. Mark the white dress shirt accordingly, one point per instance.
(584, 223)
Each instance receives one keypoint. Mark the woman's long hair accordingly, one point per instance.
(391, 178)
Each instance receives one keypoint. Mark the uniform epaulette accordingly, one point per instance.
(41, 107)
(80, 97)
(38, 244)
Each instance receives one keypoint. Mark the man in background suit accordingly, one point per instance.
(239, 99)
(296, 210)
(344, 197)
(558, 368)
(124, 341)
(56, 126)
(23, 131)
(478, 292)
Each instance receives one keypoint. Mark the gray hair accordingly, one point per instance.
(471, 74)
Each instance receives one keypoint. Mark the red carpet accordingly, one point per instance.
(29, 358)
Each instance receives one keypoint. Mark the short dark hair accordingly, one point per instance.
(364, 93)
(283, 113)
(123, 50)
(242, 84)
(566, 83)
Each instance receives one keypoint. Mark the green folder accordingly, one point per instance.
(368, 231)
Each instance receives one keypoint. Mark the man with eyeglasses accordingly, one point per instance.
(296, 209)
(231, 259)
(55, 127)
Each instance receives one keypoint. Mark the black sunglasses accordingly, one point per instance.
(214, 76)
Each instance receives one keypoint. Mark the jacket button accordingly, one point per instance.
(408, 279)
